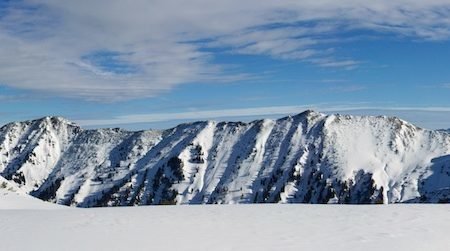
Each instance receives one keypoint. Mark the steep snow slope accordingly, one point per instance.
(230, 227)
(30, 150)
(307, 158)
(12, 197)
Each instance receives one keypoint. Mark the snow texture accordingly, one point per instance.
(12, 197)
(307, 158)
(232, 227)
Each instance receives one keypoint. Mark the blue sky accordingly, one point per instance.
(153, 64)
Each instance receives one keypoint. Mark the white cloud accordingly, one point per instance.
(44, 44)
(429, 117)
(193, 115)
(346, 88)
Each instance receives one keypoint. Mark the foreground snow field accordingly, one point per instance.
(228, 227)
(13, 197)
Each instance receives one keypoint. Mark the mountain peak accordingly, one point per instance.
(53, 121)
(309, 158)
(309, 113)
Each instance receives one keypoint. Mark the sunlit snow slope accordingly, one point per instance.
(12, 197)
(307, 158)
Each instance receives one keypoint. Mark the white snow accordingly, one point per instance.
(395, 152)
(265, 160)
(402, 158)
(204, 140)
(13, 197)
(229, 227)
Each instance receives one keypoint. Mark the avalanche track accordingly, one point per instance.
(307, 158)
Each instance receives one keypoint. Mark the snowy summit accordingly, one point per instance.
(307, 158)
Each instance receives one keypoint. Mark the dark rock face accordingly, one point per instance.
(308, 158)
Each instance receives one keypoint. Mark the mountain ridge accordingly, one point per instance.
(306, 158)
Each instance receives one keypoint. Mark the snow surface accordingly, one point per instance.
(403, 159)
(307, 158)
(229, 227)
(12, 197)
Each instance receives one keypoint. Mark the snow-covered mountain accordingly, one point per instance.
(12, 197)
(307, 158)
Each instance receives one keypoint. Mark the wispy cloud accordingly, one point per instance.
(62, 48)
(15, 98)
(193, 115)
(434, 86)
(346, 88)
(271, 111)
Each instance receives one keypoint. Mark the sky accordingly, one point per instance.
(156, 63)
